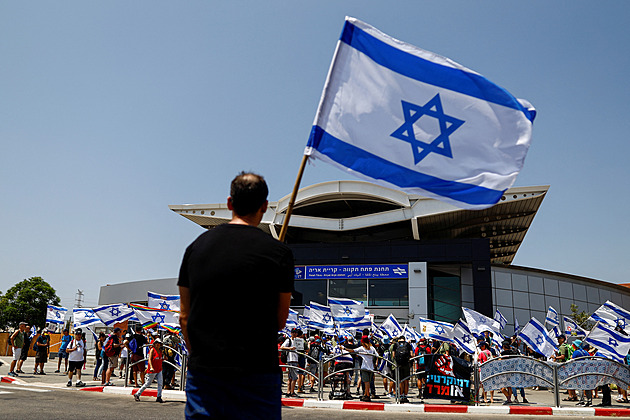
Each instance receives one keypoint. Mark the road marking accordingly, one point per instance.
(21, 388)
(6, 392)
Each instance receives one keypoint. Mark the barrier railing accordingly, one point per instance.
(181, 369)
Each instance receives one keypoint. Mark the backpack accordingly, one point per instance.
(401, 354)
(315, 352)
(109, 348)
(133, 345)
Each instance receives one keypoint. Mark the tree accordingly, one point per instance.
(27, 301)
(580, 317)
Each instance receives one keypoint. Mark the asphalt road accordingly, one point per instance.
(24, 401)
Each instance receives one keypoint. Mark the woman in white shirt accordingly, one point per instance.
(368, 354)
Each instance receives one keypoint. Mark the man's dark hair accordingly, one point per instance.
(249, 192)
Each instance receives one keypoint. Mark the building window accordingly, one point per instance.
(309, 290)
(390, 292)
(445, 296)
(350, 289)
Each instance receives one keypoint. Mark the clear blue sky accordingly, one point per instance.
(111, 111)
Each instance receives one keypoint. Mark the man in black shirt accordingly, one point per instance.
(235, 271)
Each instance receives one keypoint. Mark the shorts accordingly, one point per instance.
(112, 362)
(138, 367)
(404, 371)
(62, 354)
(73, 366)
(293, 371)
(301, 361)
(17, 351)
(41, 356)
(24, 354)
(367, 376)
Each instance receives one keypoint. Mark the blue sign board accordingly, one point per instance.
(381, 271)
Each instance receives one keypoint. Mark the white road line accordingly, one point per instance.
(23, 388)
(6, 392)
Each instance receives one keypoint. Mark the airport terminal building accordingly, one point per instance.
(407, 255)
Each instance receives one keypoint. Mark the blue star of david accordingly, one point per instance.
(539, 340)
(347, 310)
(439, 329)
(114, 311)
(466, 339)
(158, 317)
(326, 318)
(441, 144)
(89, 314)
(164, 305)
(57, 314)
(612, 342)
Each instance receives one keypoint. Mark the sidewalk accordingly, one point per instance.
(541, 402)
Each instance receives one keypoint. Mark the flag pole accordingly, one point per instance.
(296, 187)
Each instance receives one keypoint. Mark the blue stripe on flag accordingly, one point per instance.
(378, 168)
(425, 71)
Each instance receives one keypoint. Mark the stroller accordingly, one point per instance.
(340, 384)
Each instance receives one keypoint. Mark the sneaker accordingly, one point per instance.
(525, 401)
(57, 371)
(42, 373)
(109, 384)
(80, 383)
(69, 383)
(114, 375)
(404, 400)
(19, 371)
(508, 402)
(159, 399)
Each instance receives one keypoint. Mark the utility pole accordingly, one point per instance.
(79, 298)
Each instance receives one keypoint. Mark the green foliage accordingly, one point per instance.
(580, 317)
(27, 301)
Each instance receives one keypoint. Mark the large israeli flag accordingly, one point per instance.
(321, 317)
(435, 329)
(613, 315)
(170, 302)
(609, 343)
(391, 327)
(82, 317)
(463, 338)
(407, 118)
(155, 317)
(56, 314)
(111, 314)
(346, 312)
(536, 338)
(479, 323)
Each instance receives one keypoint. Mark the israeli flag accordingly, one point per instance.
(498, 316)
(346, 312)
(572, 328)
(410, 334)
(407, 118)
(516, 325)
(553, 318)
(609, 343)
(111, 314)
(554, 333)
(462, 337)
(435, 329)
(56, 314)
(536, 338)
(391, 327)
(155, 317)
(83, 317)
(478, 323)
(613, 315)
(321, 317)
(169, 302)
(292, 319)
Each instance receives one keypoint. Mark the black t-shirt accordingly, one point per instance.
(235, 273)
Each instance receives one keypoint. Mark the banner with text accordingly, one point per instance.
(447, 377)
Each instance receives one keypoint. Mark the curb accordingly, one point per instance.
(11, 380)
(151, 392)
(458, 409)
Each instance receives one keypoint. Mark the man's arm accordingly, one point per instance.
(184, 312)
(284, 301)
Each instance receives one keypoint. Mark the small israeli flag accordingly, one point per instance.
(478, 323)
(56, 314)
(403, 117)
(84, 317)
(572, 328)
(435, 329)
(346, 312)
(462, 337)
(553, 318)
(613, 315)
(536, 338)
(609, 343)
(391, 327)
(321, 317)
(498, 316)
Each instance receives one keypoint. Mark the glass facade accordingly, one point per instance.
(445, 296)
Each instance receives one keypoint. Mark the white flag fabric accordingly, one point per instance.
(155, 317)
(391, 327)
(478, 323)
(498, 316)
(609, 343)
(554, 333)
(553, 318)
(463, 338)
(111, 314)
(292, 319)
(612, 314)
(82, 317)
(346, 312)
(170, 302)
(435, 329)
(56, 314)
(407, 118)
(320, 317)
(411, 334)
(572, 328)
(535, 337)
